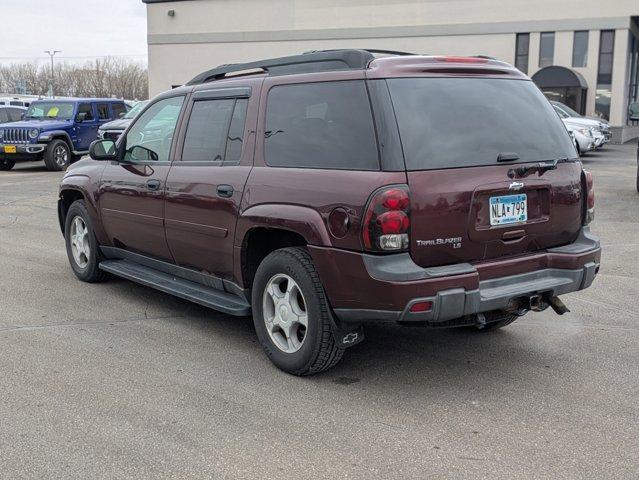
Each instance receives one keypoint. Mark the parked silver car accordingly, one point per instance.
(600, 127)
(583, 137)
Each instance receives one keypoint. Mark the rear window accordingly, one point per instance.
(321, 125)
(462, 122)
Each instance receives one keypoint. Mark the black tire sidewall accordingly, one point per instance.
(91, 272)
(50, 160)
(6, 165)
(281, 262)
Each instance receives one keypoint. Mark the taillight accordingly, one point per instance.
(590, 198)
(386, 224)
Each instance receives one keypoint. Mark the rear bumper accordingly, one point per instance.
(363, 288)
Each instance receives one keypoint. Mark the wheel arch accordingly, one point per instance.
(267, 227)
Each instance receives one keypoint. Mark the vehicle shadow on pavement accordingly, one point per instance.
(390, 358)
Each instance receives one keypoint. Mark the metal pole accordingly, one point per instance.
(51, 54)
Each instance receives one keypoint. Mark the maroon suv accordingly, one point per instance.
(326, 190)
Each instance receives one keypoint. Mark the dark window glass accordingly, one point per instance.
(522, 48)
(103, 111)
(151, 134)
(236, 133)
(4, 115)
(16, 103)
(87, 110)
(546, 49)
(580, 49)
(321, 125)
(205, 139)
(119, 110)
(604, 73)
(15, 114)
(462, 122)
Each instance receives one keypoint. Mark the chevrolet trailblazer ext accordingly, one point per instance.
(334, 188)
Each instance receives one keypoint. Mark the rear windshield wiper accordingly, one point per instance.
(540, 167)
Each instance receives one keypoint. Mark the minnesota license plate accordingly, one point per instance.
(9, 149)
(508, 209)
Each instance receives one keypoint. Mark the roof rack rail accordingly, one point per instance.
(313, 61)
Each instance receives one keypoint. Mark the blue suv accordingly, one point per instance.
(56, 131)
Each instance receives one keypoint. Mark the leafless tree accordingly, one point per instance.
(109, 77)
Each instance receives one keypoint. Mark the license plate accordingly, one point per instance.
(508, 209)
(9, 149)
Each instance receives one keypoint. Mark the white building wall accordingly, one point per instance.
(206, 33)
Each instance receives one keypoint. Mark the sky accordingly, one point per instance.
(82, 29)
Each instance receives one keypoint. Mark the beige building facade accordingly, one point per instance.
(591, 46)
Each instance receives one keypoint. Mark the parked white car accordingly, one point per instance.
(601, 128)
(584, 137)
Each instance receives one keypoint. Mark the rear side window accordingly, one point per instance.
(103, 111)
(321, 125)
(118, 110)
(463, 122)
(235, 138)
(87, 110)
(205, 139)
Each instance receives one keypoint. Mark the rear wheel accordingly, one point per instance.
(57, 156)
(6, 165)
(495, 321)
(291, 314)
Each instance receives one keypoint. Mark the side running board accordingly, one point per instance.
(195, 292)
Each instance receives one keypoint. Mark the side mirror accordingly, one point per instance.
(80, 117)
(142, 154)
(121, 114)
(103, 150)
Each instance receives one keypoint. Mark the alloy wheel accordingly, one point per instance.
(61, 155)
(80, 247)
(284, 312)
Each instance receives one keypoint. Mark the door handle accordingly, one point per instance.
(153, 184)
(225, 191)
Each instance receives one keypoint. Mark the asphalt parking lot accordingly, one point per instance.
(119, 381)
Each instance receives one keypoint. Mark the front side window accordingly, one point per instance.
(150, 137)
(320, 125)
(465, 122)
(546, 49)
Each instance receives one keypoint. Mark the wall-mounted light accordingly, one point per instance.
(171, 13)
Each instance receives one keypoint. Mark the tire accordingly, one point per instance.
(495, 321)
(307, 350)
(57, 156)
(83, 253)
(6, 165)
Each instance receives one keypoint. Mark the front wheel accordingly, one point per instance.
(82, 247)
(57, 156)
(6, 165)
(291, 314)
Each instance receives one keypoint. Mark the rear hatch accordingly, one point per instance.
(491, 169)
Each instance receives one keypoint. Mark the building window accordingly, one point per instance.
(580, 49)
(546, 49)
(604, 73)
(633, 92)
(522, 45)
